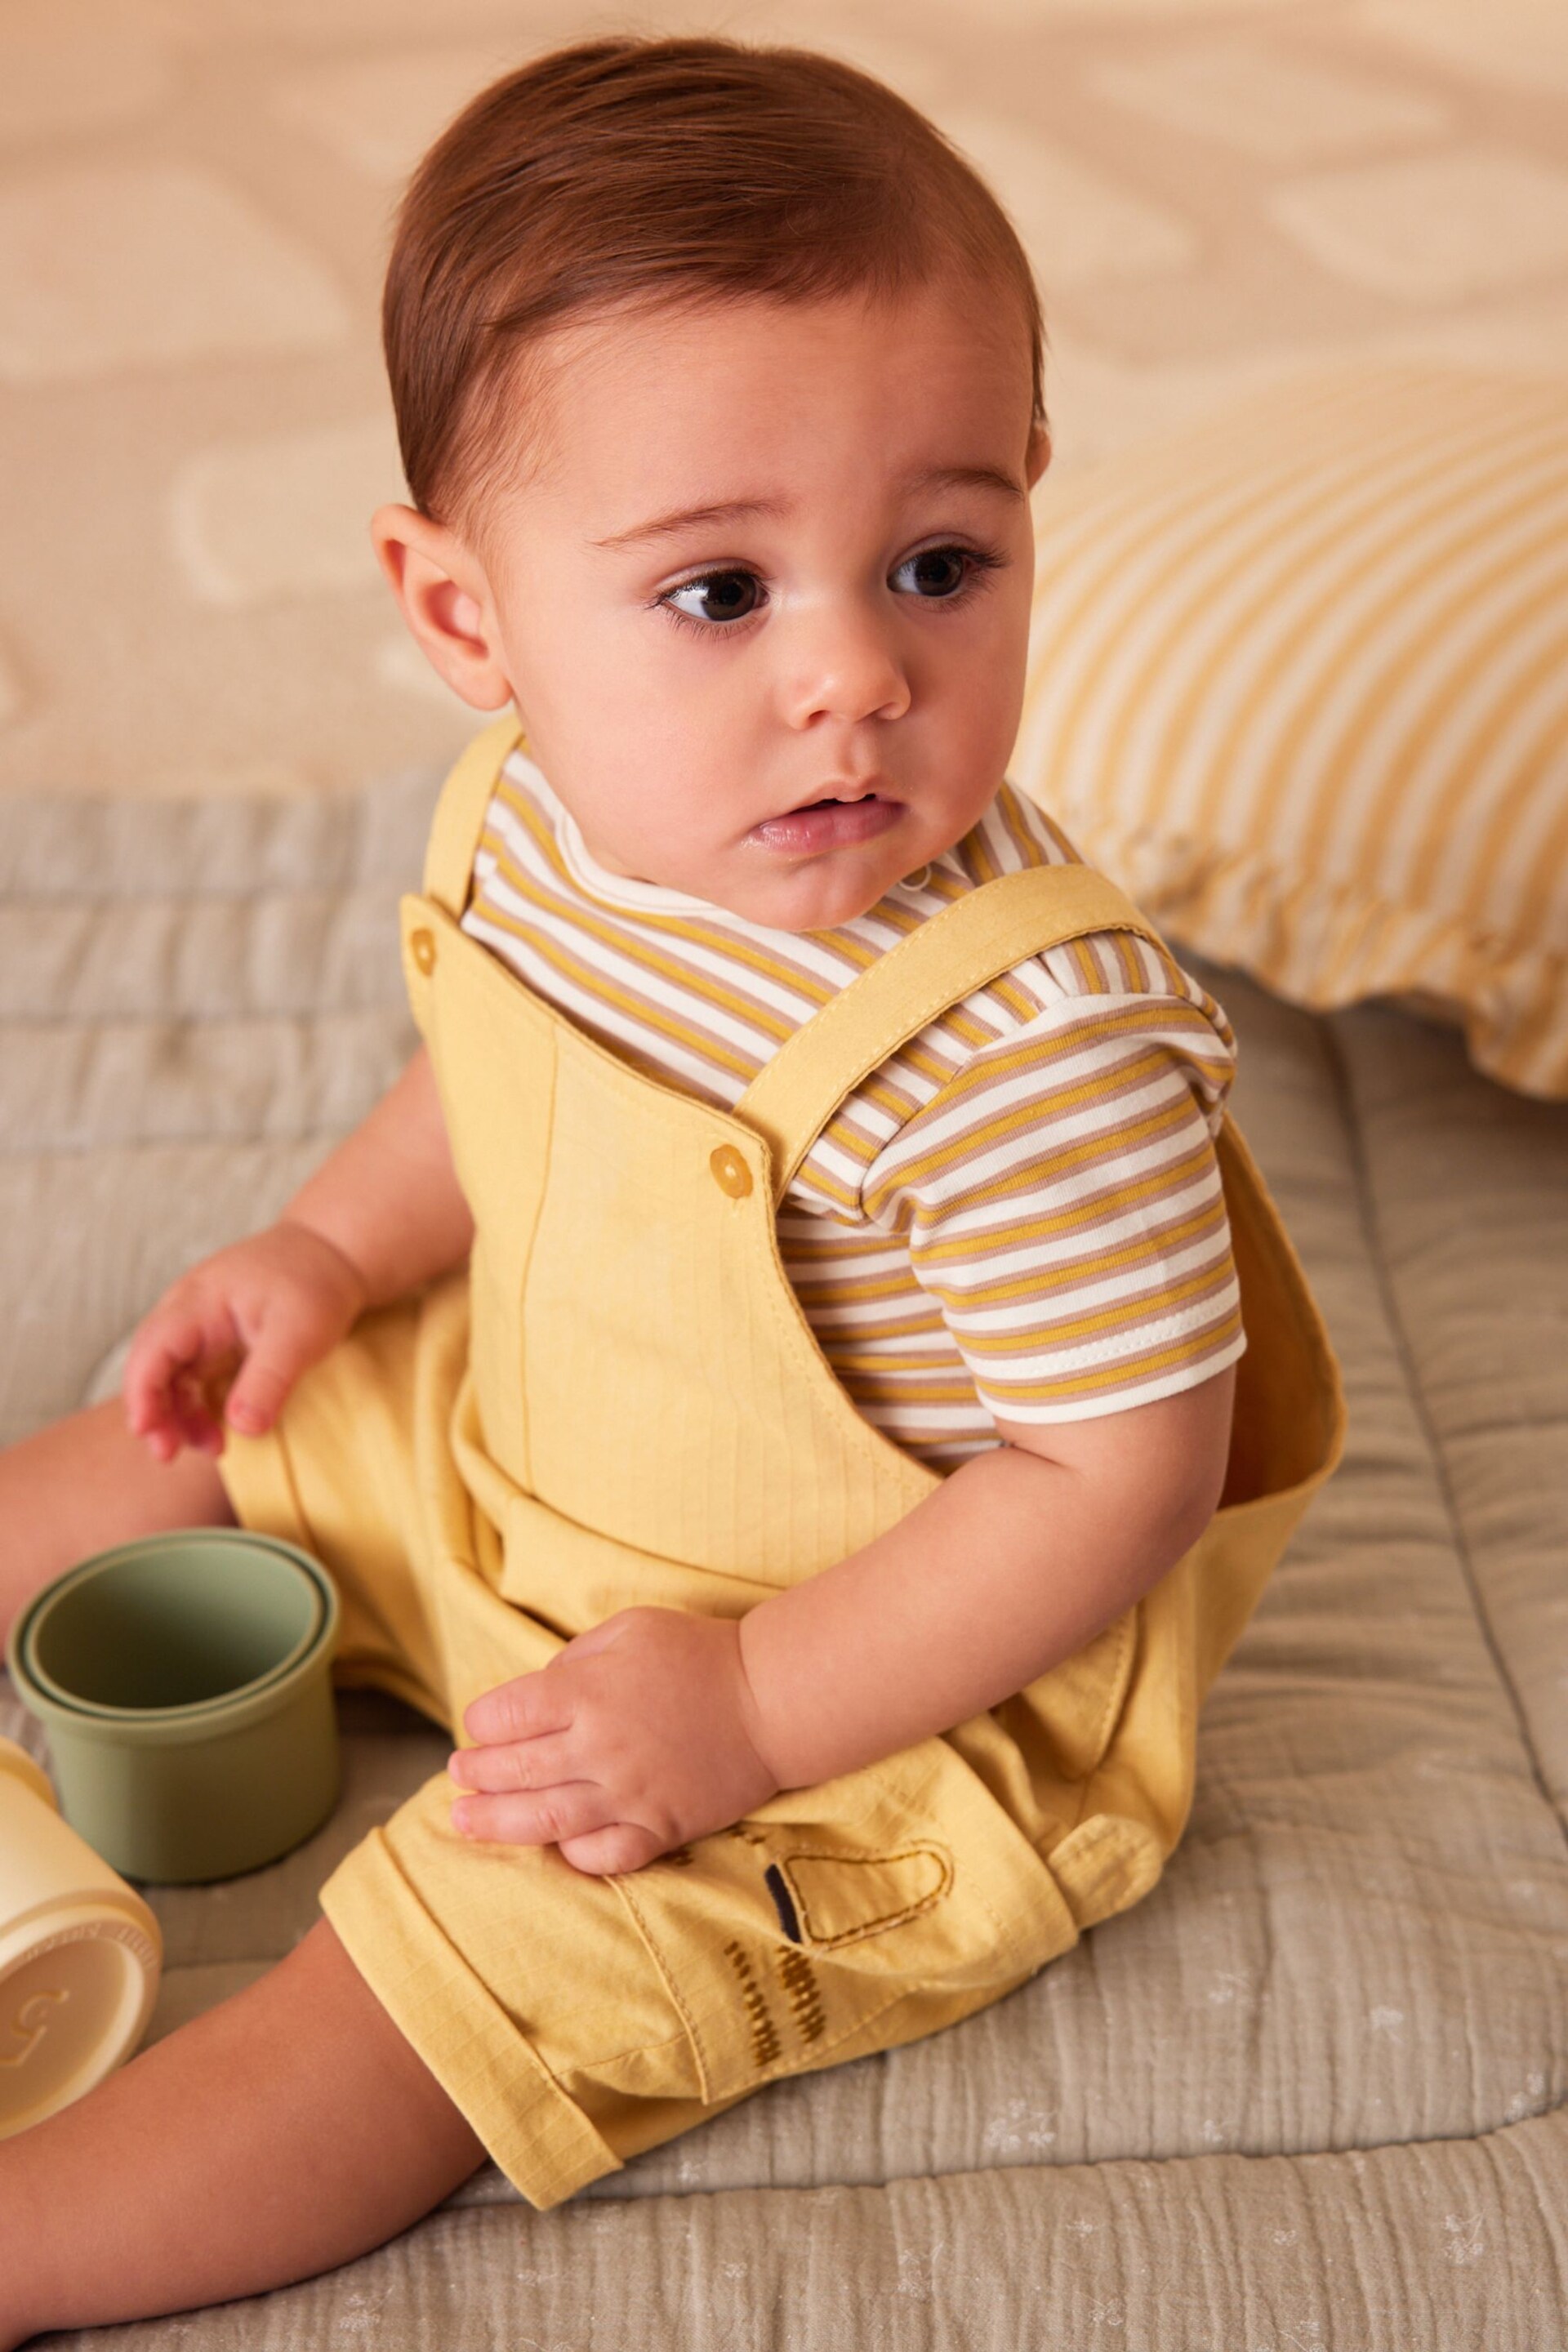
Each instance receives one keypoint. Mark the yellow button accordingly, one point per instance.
(731, 1173)
(422, 948)
(917, 880)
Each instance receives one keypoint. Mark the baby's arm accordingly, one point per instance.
(1011, 1565)
(227, 1340)
(660, 1725)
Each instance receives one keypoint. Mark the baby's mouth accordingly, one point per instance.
(832, 821)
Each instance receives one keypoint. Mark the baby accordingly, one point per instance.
(762, 1377)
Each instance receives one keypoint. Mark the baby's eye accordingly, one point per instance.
(719, 596)
(937, 572)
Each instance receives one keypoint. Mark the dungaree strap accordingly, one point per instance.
(973, 939)
(459, 818)
(793, 1095)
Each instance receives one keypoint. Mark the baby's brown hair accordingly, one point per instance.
(630, 169)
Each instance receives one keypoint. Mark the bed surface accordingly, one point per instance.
(1311, 2092)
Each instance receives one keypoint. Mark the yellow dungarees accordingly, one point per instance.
(622, 1402)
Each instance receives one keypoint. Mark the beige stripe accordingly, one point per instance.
(1118, 1196)
(613, 997)
(1362, 827)
(1155, 576)
(680, 977)
(1376, 526)
(967, 1301)
(1525, 916)
(1053, 1159)
(1438, 479)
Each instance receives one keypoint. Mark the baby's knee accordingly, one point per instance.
(84, 1484)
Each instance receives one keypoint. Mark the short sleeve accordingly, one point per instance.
(1061, 1195)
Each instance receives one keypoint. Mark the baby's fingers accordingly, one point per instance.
(521, 1709)
(197, 1398)
(527, 1764)
(165, 1374)
(611, 1852)
(275, 1362)
(536, 1818)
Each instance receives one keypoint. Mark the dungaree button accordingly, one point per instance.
(422, 948)
(731, 1173)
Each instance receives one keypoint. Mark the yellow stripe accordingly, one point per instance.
(1170, 586)
(1037, 1283)
(1103, 1322)
(1133, 1370)
(594, 984)
(1372, 815)
(1053, 1161)
(1073, 1217)
(1382, 524)
(1527, 921)
(684, 978)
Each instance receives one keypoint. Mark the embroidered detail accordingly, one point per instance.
(764, 2033)
(681, 1855)
(836, 1880)
(800, 1985)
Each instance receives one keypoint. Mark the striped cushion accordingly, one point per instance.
(1299, 682)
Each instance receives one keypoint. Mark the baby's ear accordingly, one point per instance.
(445, 598)
(1039, 453)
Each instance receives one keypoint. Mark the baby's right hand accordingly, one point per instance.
(228, 1339)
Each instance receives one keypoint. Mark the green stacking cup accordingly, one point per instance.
(185, 1684)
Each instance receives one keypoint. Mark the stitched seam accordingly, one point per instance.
(1267, 1237)
(861, 1861)
(650, 1945)
(1436, 1454)
(526, 1435)
(1115, 1700)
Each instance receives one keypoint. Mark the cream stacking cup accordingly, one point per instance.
(79, 1955)
(185, 1682)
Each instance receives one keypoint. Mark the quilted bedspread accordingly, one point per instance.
(1309, 2096)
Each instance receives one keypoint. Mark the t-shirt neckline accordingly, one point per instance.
(624, 890)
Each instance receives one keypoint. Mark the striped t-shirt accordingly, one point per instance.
(1017, 1216)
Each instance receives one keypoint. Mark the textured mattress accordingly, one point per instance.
(1308, 2096)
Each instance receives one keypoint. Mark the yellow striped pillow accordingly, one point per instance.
(1299, 681)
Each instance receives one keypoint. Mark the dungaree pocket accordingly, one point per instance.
(846, 1919)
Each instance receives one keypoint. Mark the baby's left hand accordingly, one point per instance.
(638, 1736)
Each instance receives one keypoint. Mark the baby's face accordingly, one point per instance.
(764, 608)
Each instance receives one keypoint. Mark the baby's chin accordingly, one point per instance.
(819, 895)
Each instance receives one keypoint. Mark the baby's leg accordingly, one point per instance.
(284, 2132)
(84, 1484)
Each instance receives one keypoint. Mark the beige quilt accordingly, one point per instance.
(1310, 2096)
